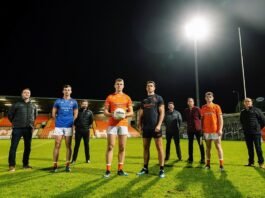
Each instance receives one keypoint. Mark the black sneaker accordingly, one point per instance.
(107, 174)
(122, 173)
(207, 167)
(161, 174)
(143, 171)
(54, 169)
(222, 168)
(67, 169)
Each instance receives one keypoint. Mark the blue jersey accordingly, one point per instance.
(65, 112)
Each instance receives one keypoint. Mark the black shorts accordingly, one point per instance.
(149, 133)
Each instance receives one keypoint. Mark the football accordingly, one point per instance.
(119, 114)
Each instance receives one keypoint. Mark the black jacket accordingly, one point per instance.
(84, 119)
(172, 121)
(22, 114)
(252, 120)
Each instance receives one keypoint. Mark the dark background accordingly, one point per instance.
(88, 44)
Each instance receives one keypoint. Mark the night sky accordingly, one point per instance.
(88, 44)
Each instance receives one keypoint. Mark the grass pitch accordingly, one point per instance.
(86, 180)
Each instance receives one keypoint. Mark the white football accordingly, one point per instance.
(119, 114)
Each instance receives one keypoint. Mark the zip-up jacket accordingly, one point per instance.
(173, 121)
(84, 119)
(193, 117)
(22, 114)
(252, 120)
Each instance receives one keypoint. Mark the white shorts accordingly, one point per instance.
(117, 130)
(211, 136)
(63, 131)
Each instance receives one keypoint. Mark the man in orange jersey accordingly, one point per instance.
(212, 126)
(117, 127)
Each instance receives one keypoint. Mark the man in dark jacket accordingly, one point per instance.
(22, 115)
(193, 117)
(252, 120)
(172, 121)
(82, 126)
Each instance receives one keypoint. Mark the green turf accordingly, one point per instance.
(86, 180)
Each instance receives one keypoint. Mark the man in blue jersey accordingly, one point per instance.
(64, 111)
(151, 116)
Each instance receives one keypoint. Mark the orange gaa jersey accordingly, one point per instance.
(210, 117)
(115, 101)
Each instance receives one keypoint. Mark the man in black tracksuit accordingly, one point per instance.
(82, 126)
(252, 120)
(172, 121)
(22, 115)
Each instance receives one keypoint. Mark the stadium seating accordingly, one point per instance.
(40, 119)
(4, 122)
(48, 129)
(100, 128)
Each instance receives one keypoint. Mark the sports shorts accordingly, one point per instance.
(63, 131)
(151, 133)
(211, 136)
(117, 130)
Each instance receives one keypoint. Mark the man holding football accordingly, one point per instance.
(118, 106)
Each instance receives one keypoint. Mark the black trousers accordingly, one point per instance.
(251, 140)
(198, 136)
(78, 136)
(176, 139)
(17, 133)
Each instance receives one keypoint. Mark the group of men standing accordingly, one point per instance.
(205, 122)
(65, 111)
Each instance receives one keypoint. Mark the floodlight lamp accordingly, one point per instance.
(197, 28)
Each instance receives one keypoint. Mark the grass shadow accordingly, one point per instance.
(131, 190)
(213, 184)
(21, 176)
(86, 188)
(260, 171)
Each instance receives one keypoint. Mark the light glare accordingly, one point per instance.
(197, 29)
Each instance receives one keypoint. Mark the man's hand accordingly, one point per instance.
(158, 128)
(220, 133)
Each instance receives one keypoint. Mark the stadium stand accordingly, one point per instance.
(47, 130)
(41, 120)
(4, 122)
(44, 126)
(100, 128)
